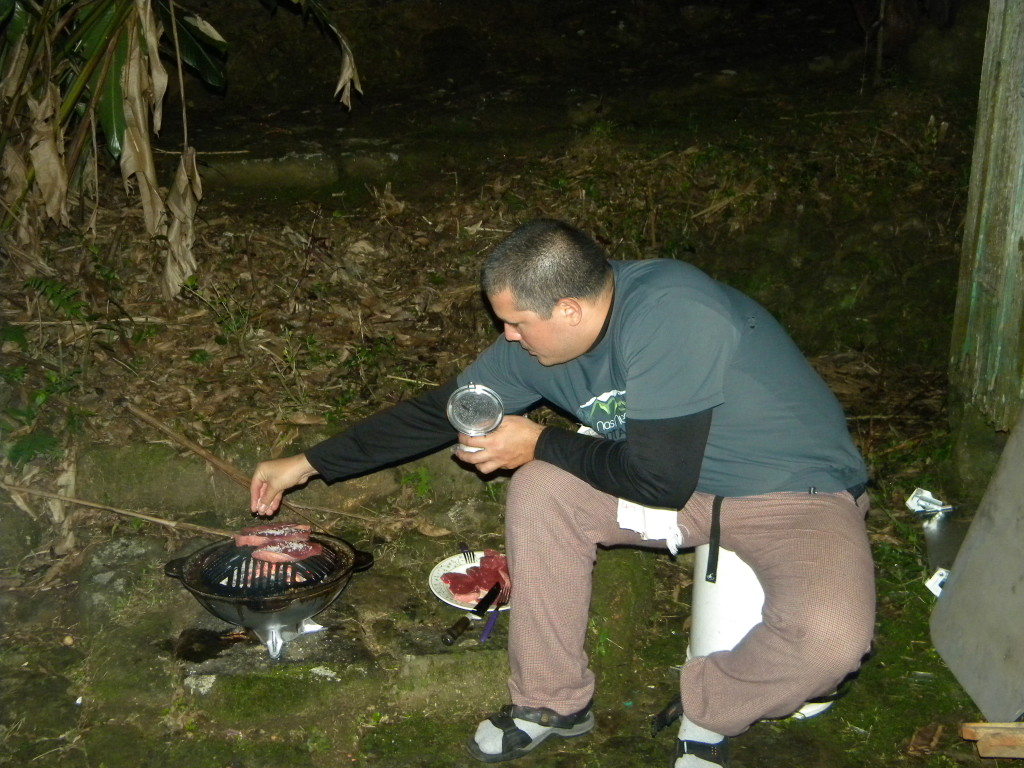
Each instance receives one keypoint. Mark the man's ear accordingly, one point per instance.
(571, 310)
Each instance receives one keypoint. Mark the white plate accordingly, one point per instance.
(458, 564)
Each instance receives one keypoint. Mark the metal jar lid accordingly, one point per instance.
(475, 409)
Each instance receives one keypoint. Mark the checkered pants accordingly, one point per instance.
(810, 553)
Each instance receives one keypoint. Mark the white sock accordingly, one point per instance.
(488, 736)
(690, 731)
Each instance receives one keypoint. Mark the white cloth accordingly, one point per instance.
(651, 523)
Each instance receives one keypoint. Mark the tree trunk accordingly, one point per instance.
(987, 356)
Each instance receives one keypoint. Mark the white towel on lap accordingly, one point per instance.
(652, 523)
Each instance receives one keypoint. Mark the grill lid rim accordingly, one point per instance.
(190, 570)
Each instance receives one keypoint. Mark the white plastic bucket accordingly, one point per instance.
(724, 611)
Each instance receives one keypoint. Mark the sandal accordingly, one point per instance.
(515, 742)
(668, 715)
(712, 753)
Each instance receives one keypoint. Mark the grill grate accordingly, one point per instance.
(231, 570)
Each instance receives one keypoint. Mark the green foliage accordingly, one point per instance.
(103, 48)
(62, 297)
(91, 49)
(318, 741)
(29, 414)
(41, 443)
(14, 333)
(233, 315)
(202, 49)
(340, 413)
(597, 632)
(13, 375)
(421, 482)
(495, 492)
(28, 411)
(603, 128)
(370, 354)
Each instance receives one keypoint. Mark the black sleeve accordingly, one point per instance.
(657, 465)
(410, 429)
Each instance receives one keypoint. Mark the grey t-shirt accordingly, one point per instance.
(679, 342)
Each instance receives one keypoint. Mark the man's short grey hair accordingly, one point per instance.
(544, 261)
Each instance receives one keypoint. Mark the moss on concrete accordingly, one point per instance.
(21, 533)
(154, 477)
(446, 682)
(125, 746)
(182, 486)
(125, 676)
(624, 582)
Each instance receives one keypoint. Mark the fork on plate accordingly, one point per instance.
(502, 599)
(468, 554)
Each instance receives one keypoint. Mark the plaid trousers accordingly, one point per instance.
(810, 553)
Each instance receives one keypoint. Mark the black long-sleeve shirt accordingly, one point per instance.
(657, 465)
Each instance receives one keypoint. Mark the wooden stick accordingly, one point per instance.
(127, 513)
(222, 465)
(996, 739)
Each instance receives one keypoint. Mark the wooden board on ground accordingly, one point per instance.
(978, 621)
(996, 739)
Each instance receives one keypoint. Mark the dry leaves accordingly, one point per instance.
(141, 112)
(182, 204)
(429, 529)
(46, 148)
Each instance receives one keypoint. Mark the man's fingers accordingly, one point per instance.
(268, 501)
(272, 478)
(255, 494)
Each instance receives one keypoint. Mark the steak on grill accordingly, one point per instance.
(258, 535)
(287, 551)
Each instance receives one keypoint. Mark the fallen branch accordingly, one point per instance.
(227, 468)
(127, 513)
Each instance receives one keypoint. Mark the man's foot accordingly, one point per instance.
(516, 731)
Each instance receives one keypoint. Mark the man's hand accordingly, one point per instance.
(509, 446)
(272, 478)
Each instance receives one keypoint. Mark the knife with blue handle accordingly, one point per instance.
(489, 626)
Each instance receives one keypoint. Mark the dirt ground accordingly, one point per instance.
(761, 144)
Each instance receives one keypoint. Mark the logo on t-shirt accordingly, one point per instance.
(606, 414)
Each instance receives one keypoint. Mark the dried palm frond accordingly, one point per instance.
(72, 69)
(182, 203)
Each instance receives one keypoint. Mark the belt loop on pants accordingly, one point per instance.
(714, 541)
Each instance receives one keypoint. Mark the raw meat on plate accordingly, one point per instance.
(472, 585)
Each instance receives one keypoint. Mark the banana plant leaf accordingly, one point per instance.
(348, 79)
(15, 15)
(202, 47)
(108, 39)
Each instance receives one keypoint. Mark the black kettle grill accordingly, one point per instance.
(277, 601)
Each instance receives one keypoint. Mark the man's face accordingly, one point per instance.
(551, 340)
